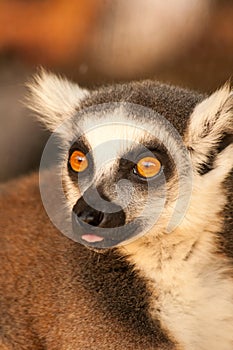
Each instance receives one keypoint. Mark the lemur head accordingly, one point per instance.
(139, 160)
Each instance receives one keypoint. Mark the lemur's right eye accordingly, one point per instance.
(78, 161)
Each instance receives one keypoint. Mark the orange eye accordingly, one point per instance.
(148, 167)
(78, 161)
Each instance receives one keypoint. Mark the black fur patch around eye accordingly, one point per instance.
(82, 146)
(225, 141)
(129, 160)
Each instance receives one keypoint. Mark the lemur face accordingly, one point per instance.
(120, 172)
(130, 170)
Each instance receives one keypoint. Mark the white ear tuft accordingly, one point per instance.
(211, 124)
(53, 98)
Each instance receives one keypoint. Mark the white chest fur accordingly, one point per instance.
(191, 295)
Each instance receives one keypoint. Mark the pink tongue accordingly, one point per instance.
(92, 238)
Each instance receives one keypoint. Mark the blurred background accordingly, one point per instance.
(93, 42)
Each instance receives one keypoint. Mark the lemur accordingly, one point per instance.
(127, 244)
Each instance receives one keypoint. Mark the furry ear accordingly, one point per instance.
(210, 131)
(53, 98)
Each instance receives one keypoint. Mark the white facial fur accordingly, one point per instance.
(109, 141)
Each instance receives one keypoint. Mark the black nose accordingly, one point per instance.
(109, 214)
(87, 214)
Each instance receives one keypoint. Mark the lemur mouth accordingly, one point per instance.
(103, 237)
(91, 238)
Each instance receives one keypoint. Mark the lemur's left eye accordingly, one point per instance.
(78, 161)
(148, 167)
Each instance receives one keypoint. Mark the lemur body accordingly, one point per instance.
(160, 290)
